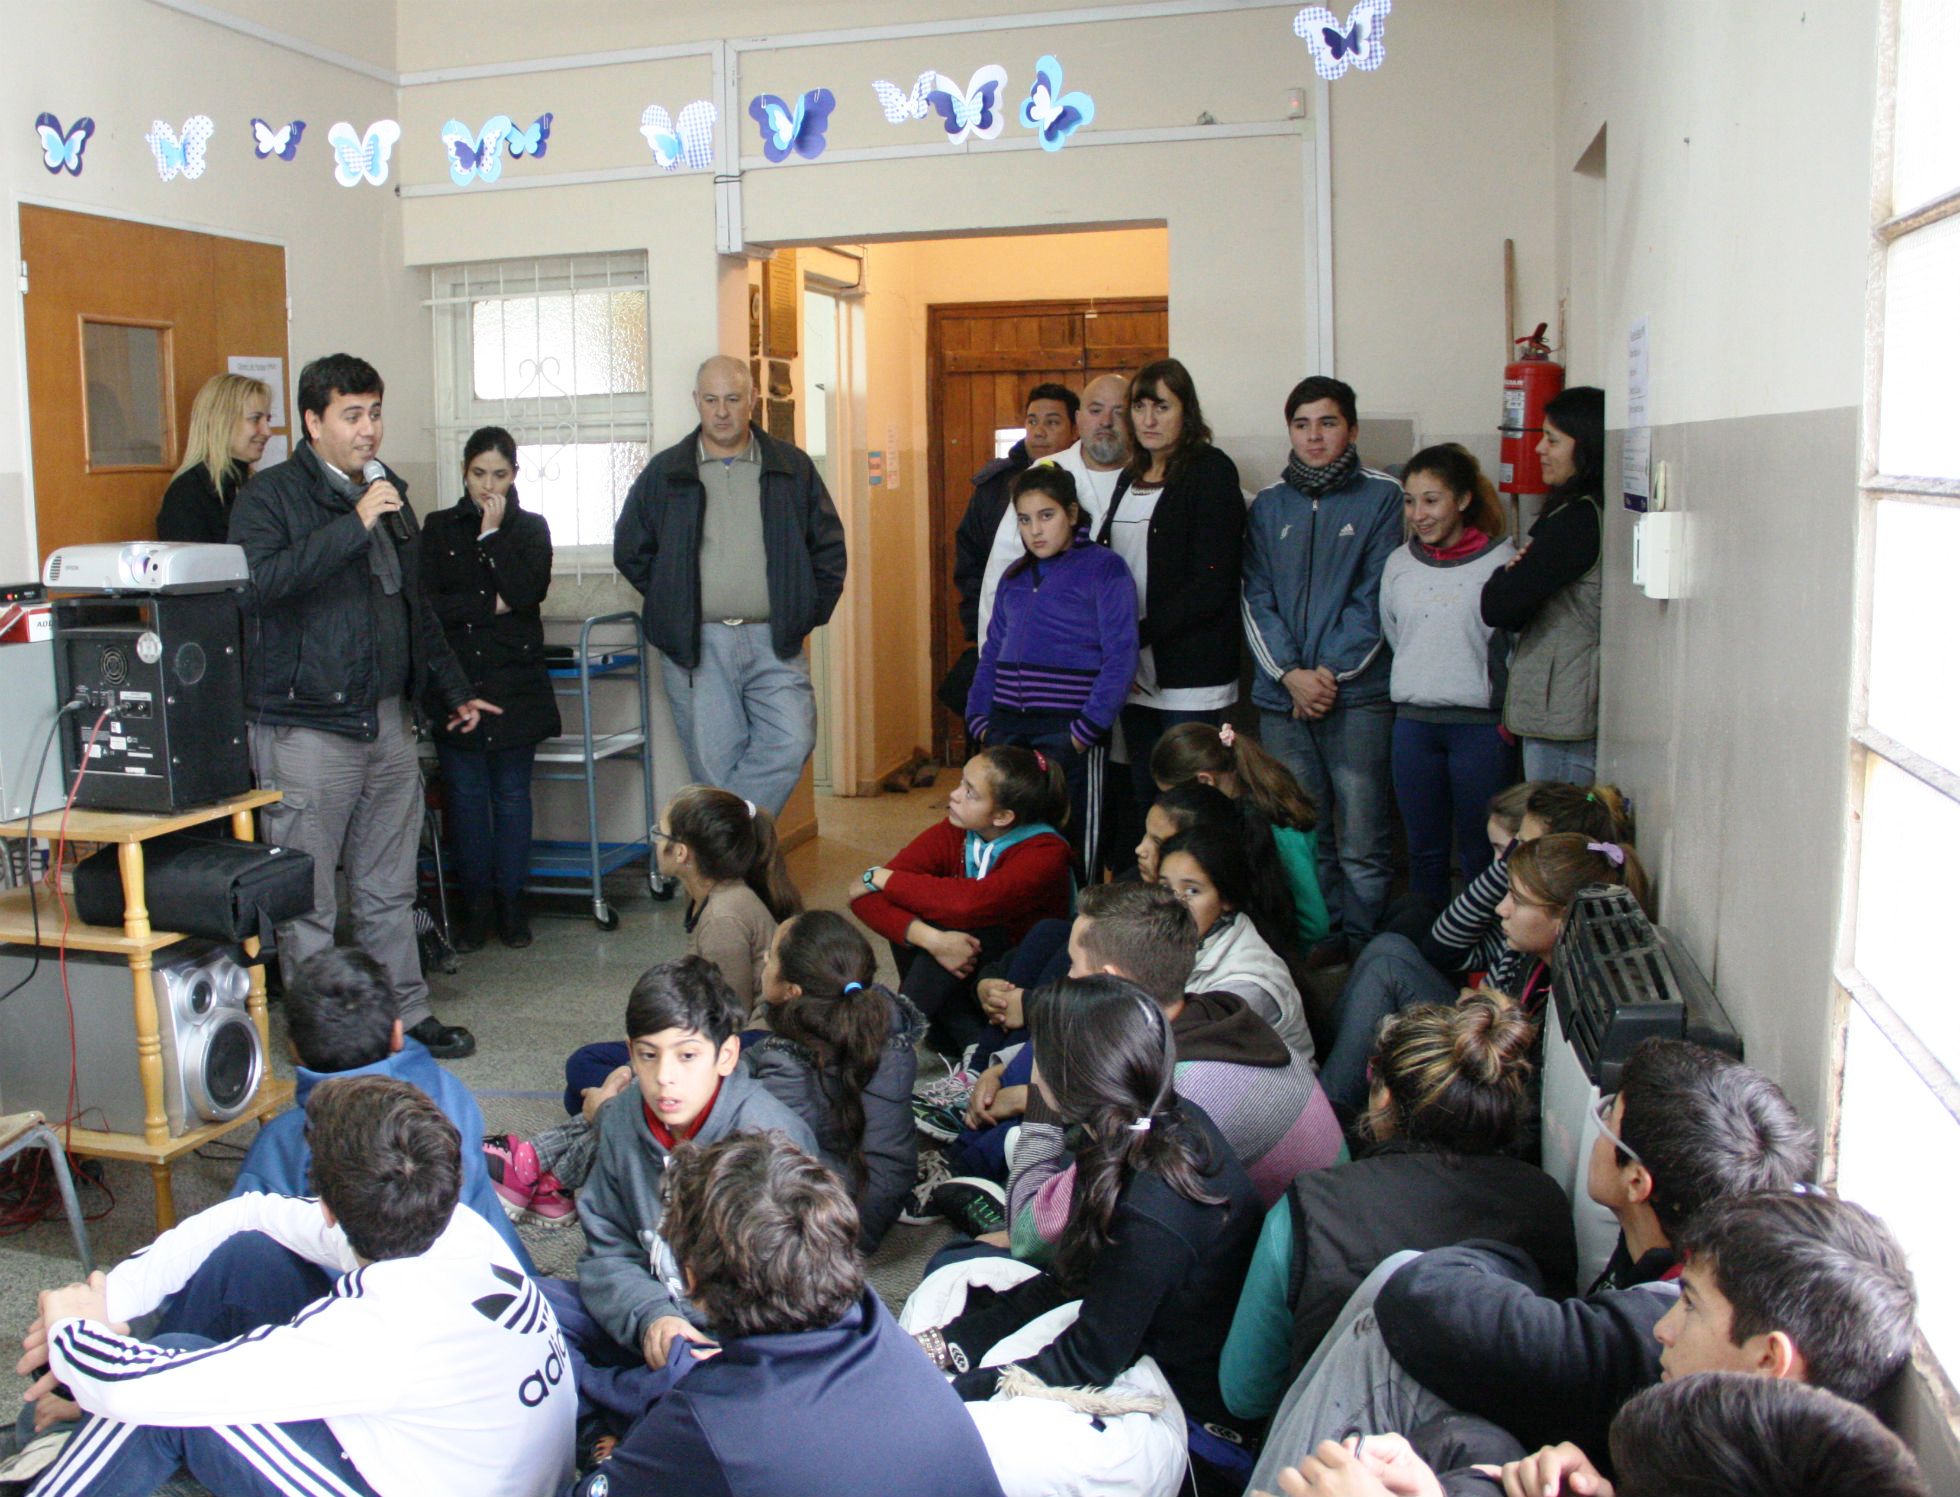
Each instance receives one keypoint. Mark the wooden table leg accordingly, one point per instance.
(166, 1197)
(243, 828)
(149, 1049)
(136, 913)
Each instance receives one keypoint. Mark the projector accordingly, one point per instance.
(146, 567)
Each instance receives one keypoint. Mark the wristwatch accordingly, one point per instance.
(869, 884)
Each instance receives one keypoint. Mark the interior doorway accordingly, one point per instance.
(982, 359)
(124, 323)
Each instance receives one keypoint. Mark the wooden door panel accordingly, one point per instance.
(211, 298)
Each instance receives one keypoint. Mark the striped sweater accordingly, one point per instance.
(1265, 1099)
(1063, 640)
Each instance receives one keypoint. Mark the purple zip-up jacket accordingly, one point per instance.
(1062, 639)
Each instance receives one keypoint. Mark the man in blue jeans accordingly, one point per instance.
(1315, 546)
(732, 540)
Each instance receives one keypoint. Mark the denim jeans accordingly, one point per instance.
(1568, 761)
(1389, 975)
(1142, 727)
(487, 795)
(1445, 775)
(1342, 761)
(746, 719)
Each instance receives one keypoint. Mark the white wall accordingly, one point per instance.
(126, 63)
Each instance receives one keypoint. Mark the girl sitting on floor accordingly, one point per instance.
(1160, 1231)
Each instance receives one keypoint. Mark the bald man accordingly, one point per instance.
(732, 540)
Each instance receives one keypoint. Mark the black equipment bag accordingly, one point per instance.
(200, 884)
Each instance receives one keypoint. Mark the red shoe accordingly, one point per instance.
(514, 1173)
(551, 1203)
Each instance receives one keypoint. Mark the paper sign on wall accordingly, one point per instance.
(874, 467)
(891, 457)
(270, 372)
(1636, 453)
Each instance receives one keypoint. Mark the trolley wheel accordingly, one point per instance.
(662, 887)
(605, 916)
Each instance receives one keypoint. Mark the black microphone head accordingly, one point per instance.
(372, 471)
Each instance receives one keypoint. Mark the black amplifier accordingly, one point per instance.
(166, 667)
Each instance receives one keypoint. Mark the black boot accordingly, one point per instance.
(472, 926)
(512, 928)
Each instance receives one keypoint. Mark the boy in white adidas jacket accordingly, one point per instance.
(434, 1367)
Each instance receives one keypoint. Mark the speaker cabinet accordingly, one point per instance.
(212, 1057)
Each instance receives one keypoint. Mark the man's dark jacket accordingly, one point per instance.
(657, 546)
(310, 657)
(975, 537)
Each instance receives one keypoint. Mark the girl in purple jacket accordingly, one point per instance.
(1061, 648)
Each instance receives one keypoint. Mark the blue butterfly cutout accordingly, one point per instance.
(283, 142)
(474, 154)
(975, 112)
(1338, 45)
(1052, 114)
(530, 142)
(61, 149)
(362, 158)
(800, 129)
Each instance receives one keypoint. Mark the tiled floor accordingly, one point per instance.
(529, 1009)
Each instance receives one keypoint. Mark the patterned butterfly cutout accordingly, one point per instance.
(689, 141)
(900, 107)
(474, 154)
(976, 113)
(181, 153)
(1335, 46)
(799, 128)
(61, 149)
(530, 142)
(1052, 114)
(362, 158)
(283, 142)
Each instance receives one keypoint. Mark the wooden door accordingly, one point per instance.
(983, 358)
(125, 322)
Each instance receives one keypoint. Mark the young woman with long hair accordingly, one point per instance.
(231, 421)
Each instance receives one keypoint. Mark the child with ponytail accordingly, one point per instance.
(1160, 1229)
(842, 1056)
(1546, 877)
(967, 889)
(1449, 1088)
(1449, 672)
(1281, 820)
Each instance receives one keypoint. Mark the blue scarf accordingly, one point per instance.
(983, 856)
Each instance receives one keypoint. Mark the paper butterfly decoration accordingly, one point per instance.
(181, 153)
(1335, 47)
(799, 128)
(1052, 114)
(689, 142)
(475, 154)
(283, 142)
(976, 112)
(530, 142)
(61, 149)
(362, 158)
(900, 107)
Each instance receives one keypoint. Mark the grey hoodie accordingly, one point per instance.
(628, 1277)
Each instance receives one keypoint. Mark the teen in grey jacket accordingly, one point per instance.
(628, 1277)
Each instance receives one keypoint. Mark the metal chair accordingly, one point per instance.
(30, 1130)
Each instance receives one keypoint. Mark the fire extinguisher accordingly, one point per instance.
(1530, 381)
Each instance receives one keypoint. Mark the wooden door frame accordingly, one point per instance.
(18, 200)
(937, 314)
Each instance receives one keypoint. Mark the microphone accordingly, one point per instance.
(372, 472)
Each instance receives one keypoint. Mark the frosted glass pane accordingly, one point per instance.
(1915, 621)
(1908, 891)
(559, 344)
(1918, 436)
(578, 486)
(1892, 1149)
(1926, 147)
(122, 374)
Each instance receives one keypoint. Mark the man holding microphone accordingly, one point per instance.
(340, 642)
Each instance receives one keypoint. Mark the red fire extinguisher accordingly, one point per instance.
(1530, 381)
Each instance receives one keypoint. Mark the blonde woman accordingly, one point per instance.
(231, 421)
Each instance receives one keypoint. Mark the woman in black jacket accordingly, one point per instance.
(486, 566)
(1178, 519)
(231, 421)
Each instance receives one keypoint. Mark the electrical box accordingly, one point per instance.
(1659, 553)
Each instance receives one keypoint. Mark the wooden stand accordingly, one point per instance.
(136, 942)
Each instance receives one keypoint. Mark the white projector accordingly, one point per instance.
(146, 567)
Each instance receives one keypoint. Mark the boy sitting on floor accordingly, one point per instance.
(810, 1360)
(434, 1366)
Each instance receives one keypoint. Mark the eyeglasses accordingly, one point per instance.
(663, 836)
(1602, 1115)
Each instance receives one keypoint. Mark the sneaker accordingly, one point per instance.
(933, 1173)
(443, 1041)
(551, 1204)
(951, 1090)
(939, 1120)
(974, 1206)
(514, 1172)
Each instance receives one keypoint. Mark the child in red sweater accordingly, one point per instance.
(967, 889)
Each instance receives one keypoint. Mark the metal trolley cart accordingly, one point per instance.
(558, 867)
